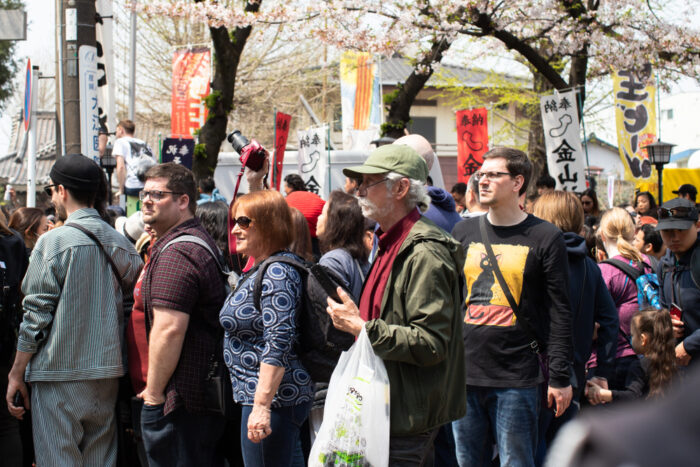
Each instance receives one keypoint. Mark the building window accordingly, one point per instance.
(424, 126)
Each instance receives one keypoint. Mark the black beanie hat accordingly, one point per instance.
(76, 172)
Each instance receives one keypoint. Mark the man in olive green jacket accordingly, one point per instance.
(410, 304)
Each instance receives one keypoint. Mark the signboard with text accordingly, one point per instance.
(89, 110)
(472, 141)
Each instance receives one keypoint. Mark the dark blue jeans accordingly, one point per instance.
(510, 415)
(280, 447)
(181, 438)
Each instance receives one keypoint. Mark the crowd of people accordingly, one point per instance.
(499, 317)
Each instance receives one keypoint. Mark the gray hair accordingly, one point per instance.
(417, 191)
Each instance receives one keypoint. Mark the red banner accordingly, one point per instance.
(191, 75)
(281, 134)
(472, 141)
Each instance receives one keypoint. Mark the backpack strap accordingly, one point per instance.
(257, 287)
(194, 239)
(631, 272)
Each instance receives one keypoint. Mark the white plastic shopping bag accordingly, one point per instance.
(355, 428)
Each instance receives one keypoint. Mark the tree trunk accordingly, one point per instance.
(535, 147)
(227, 55)
(400, 105)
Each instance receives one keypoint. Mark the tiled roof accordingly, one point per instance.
(396, 69)
(13, 165)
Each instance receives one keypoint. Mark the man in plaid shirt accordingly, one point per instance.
(182, 294)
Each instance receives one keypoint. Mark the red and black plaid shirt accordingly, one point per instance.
(186, 278)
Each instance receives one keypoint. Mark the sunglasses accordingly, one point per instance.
(681, 212)
(48, 189)
(243, 221)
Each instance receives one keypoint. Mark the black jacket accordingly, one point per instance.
(14, 259)
(686, 295)
(590, 303)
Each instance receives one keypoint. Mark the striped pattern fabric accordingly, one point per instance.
(73, 423)
(73, 320)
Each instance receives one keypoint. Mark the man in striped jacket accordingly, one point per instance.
(70, 340)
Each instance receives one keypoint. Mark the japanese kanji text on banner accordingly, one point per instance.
(313, 160)
(472, 141)
(178, 150)
(635, 116)
(191, 74)
(281, 135)
(562, 140)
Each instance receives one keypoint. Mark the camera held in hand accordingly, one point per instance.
(252, 154)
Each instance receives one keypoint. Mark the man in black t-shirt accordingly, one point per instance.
(503, 371)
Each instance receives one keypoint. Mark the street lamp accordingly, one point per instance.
(659, 155)
(109, 163)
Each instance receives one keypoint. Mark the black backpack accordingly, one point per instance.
(320, 343)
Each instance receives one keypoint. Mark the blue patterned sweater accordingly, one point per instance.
(269, 335)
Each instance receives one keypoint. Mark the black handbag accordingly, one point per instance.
(218, 389)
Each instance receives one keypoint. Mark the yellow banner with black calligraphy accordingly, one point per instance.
(635, 116)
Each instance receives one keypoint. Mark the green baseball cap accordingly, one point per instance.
(392, 158)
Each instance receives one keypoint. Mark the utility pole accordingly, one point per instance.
(132, 68)
(75, 26)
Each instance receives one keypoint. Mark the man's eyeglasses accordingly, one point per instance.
(362, 185)
(490, 176)
(48, 189)
(243, 221)
(680, 212)
(156, 195)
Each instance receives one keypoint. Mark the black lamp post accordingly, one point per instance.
(659, 155)
(109, 163)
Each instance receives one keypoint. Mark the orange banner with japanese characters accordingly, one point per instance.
(472, 141)
(191, 75)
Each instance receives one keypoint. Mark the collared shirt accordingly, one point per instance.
(389, 245)
(73, 319)
(186, 278)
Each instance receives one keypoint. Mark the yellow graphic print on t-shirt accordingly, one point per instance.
(486, 302)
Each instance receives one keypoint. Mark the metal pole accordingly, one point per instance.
(31, 152)
(132, 67)
(660, 170)
(274, 147)
(61, 107)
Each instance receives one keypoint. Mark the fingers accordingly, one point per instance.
(257, 434)
(344, 296)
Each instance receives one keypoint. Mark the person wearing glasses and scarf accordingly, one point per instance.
(678, 274)
(269, 381)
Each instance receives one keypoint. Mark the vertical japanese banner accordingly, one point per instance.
(472, 141)
(191, 77)
(89, 113)
(105, 65)
(312, 160)
(361, 100)
(281, 135)
(562, 140)
(635, 118)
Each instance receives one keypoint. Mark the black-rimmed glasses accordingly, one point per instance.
(490, 176)
(156, 195)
